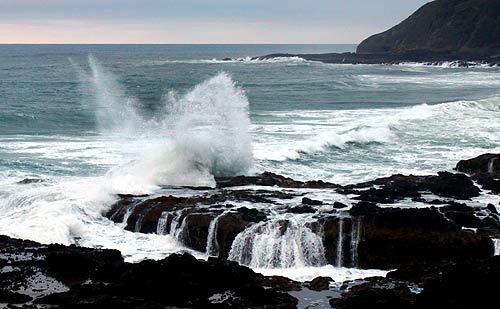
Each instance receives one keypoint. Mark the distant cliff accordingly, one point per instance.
(443, 26)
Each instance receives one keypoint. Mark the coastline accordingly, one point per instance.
(429, 243)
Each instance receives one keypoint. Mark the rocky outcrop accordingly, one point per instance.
(443, 26)
(271, 180)
(391, 237)
(398, 187)
(443, 284)
(462, 32)
(485, 169)
(73, 277)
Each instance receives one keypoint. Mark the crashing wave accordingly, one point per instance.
(201, 135)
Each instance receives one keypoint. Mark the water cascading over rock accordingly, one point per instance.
(279, 243)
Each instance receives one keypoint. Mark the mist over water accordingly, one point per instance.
(141, 120)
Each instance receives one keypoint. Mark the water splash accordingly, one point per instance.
(204, 135)
(280, 243)
(115, 111)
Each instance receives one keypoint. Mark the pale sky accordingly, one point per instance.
(198, 21)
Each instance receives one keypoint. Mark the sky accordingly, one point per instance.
(199, 21)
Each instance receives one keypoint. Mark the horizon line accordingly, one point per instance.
(179, 43)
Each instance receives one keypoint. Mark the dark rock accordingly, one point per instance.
(480, 164)
(271, 180)
(443, 26)
(308, 201)
(339, 205)
(8, 297)
(282, 284)
(376, 293)
(398, 187)
(100, 279)
(492, 209)
(364, 208)
(485, 169)
(27, 181)
(302, 210)
(320, 283)
(457, 186)
(448, 290)
(391, 237)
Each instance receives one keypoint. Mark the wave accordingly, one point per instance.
(244, 60)
(450, 64)
(204, 134)
(359, 128)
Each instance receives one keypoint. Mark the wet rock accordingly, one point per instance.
(271, 180)
(308, 201)
(302, 210)
(391, 237)
(320, 283)
(8, 297)
(485, 169)
(398, 187)
(376, 293)
(485, 163)
(364, 208)
(27, 181)
(282, 284)
(95, 278)
(339, 205)
(492, 209)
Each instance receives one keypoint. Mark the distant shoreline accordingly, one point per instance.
(461, 60)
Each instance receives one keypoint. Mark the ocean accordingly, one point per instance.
(90, 121)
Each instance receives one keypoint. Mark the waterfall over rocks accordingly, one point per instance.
(212, 243)
(279, 243)
(340, 244)
(491, 164)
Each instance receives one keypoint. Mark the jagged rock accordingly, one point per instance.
(320, 283)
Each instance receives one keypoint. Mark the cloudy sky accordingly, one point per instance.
(198, 21)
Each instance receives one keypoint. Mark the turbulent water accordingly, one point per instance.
(92, 121)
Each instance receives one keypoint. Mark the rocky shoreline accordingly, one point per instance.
(434, 231)
(463, 60)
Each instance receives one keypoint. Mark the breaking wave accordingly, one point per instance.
(375, 127)
(201, 135)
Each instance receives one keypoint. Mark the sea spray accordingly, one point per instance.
(115, 111)
(203, 135)
(279, 243)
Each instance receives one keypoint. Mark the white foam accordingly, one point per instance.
(341, 274)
